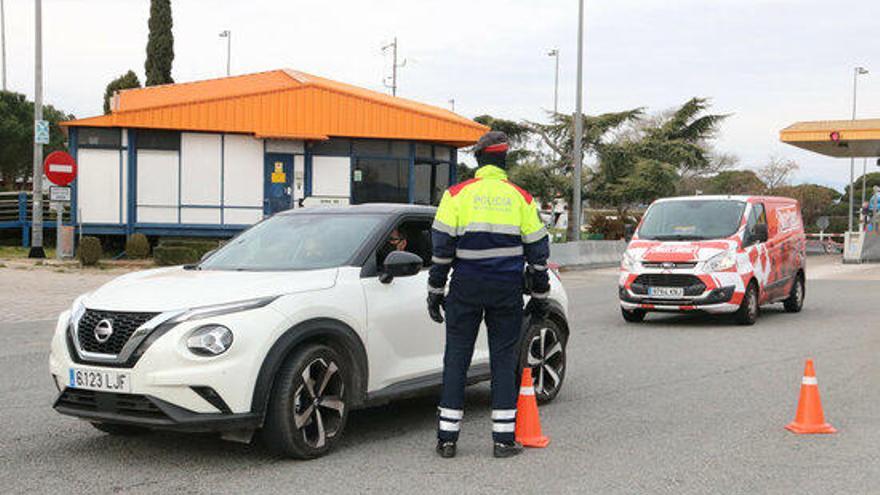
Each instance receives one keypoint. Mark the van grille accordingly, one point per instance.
(692, 285)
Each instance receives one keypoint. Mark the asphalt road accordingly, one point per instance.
(674, 405)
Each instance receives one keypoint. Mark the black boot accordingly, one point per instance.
(507, 449)
(446, 449)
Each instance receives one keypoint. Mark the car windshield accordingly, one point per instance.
(295, 242)
(691, 220)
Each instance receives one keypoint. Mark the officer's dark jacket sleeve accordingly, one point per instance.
(536, 247)
(444, 239)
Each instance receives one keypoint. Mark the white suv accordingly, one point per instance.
(283, 330)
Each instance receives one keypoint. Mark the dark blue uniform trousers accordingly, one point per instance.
(468, 302)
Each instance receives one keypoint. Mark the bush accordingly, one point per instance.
(174, 255)
(610, 229)
(90, 251)
(137, 246)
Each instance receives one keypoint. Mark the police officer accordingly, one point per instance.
(485, 230)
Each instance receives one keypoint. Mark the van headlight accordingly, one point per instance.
(629, 262)
(209, 340)
(720, 262)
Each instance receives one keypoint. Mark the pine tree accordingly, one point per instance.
(126, 81)
(160, 46)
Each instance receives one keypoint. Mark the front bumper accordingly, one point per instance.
(717, 300)
(170, 387)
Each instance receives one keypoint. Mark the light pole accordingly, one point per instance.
(555, 54)
(3, 39)
(578, 126)
(37, 199)
(394, 66)
(452, 104)
(858, 71)
(228, 35)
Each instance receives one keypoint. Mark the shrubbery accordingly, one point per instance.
(90, 251)
(181, 251)
(137, 246)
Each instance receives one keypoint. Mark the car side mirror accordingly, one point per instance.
(760, 233)
(628, 231)
(400, 264)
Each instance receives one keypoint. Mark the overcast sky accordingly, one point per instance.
(767, 62)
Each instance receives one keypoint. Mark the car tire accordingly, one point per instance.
(308, 407)
(543, 350)
(120, 430)
(748, 311)
(633, 316)
(795, 301)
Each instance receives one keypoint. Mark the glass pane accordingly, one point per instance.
(371, 147)
(295, 242)
(400, 149)
(332, 147)
(158, 140)
(442, 153)
(441, 181)
(423, 150)
(680, 220)
(381, 180)
(422, 193)
(92, 137)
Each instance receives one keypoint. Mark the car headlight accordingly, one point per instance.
(209, 340)
(629, 262)
(77, 308)
(720, 262)
(222, 309)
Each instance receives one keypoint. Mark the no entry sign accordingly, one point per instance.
(60, 168)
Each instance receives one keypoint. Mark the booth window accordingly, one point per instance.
(332, 147)
(158, 140)
(431, 180)
(382, 180)
(96, 137)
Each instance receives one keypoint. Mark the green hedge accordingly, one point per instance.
(137, 246)
(90, 251)
(182, 251)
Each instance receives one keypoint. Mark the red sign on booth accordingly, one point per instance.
(60, 168)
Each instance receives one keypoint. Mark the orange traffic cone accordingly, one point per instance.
(809, 417)
(528, 424)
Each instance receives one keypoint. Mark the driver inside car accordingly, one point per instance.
(396, 242)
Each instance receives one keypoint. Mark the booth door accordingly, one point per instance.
(277, 188)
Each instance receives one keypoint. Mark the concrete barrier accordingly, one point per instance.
(587, 254)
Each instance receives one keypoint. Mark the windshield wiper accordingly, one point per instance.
(193, 266)
(678, 237)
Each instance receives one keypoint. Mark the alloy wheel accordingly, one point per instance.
(546, 359)
(318, 405)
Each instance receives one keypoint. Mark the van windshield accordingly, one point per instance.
(692, 220)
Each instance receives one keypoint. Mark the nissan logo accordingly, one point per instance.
(103, 331)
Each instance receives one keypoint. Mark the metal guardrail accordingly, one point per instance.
(16, 212)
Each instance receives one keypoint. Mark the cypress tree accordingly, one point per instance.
(160, 46)
(125, 81)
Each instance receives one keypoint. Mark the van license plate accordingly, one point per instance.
(666, 292)
(103, 380)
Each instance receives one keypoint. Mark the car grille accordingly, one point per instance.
(692, 285)
(124, 324)
(130, 405)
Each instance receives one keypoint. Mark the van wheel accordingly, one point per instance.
(634, 316)
(117, 429)
(795, 301)
(747, 314)
(308, 407)
(543, 350)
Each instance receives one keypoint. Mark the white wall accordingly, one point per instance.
(331, 176)
(157, 186)
(284, 146)
(200, 165)
(242, 178)
(97, 183)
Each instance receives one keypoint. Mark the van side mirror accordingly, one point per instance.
(400, 264)
(760, 233)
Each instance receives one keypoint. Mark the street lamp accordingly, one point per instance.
(555, 53)
(228, 35)
(578, 126)
(858, 71)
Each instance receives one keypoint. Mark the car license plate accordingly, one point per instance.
(666, 292)
(104, 380)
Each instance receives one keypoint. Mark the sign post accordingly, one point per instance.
(60, 169)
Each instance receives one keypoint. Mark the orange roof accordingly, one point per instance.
(284, 104)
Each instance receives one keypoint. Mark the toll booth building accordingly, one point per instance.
(213, 157)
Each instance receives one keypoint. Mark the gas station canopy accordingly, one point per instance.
(837, 138)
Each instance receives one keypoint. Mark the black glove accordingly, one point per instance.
(435, 302)
(538, 309)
